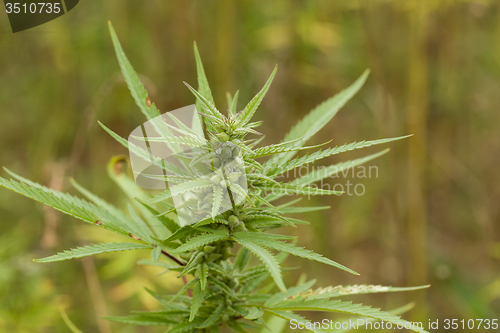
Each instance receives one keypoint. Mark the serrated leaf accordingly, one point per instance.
(254, 313)
(233, 103)
(182, 128)
(262, 235)
(317, 175)
(278, 149)
(270, 223)
(291, 249)
(134, 84)
(309, 158)
(141, 231)
(207, 105)
(201, 240)
(96, 200)
(279, 297)
(335, 169)
(194, 184)
(170, 224)
(252, 106)
(203, 275)
(229, 100)
(241, 260)
(260, 199)
(266, 214)
(182, 233)
(317, 118)
(294, 210)
(191, 141)
(397, 311)
(219, 270)
(266, 257)
(187, 186)
(139, 225)
(170, 307)
(217, 201)
(27, 181)
(261, 177)
(198, 297)
(216, 314)
(162, 227)
(68, 204)
(195, 260)
(224, 288)
(289, 203)
(203, 86)
(183, 327)
(337, 291)
(142, 153)
(254, 283)
(90, 250)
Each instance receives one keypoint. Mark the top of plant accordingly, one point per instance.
(221, 289)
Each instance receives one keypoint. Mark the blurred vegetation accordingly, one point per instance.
(429, 217)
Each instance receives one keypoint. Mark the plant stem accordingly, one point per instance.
(172, 258)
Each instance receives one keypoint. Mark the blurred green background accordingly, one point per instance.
(429, 217)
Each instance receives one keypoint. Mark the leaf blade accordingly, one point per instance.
(254, 103)
(201, 240)
(134, 84)
(319, 117)
(267, 258)
(93, 249)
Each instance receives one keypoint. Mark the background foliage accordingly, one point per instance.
(428, 217)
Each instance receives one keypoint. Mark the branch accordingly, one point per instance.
(173, 258)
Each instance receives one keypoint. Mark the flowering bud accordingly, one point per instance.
(223, 137)
(216, 179)
(225, 152)
(233, 221)
(240, 227)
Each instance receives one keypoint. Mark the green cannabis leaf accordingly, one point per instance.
(230, 209)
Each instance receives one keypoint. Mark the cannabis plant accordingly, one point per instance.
(224, 214)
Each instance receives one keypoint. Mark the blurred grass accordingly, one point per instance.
(429, 217)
